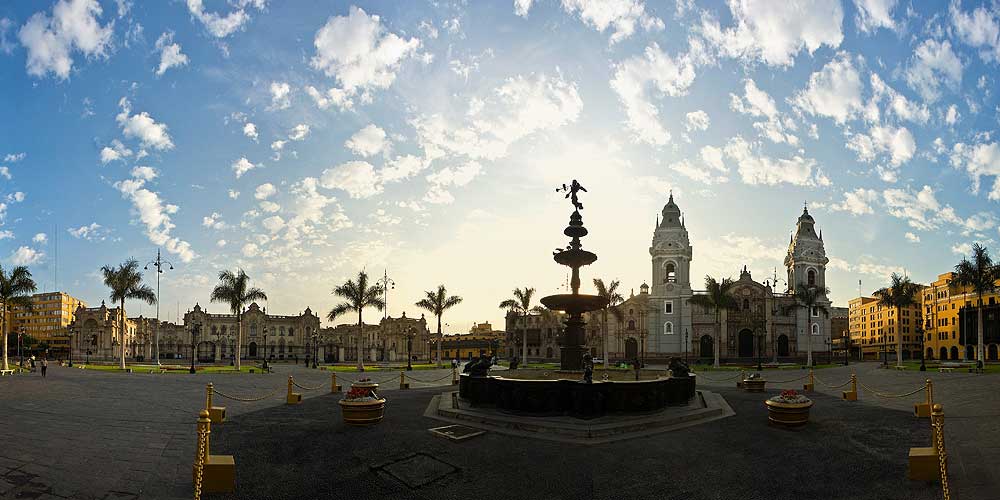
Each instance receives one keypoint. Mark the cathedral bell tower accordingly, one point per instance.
(670, 253)
(806, 264)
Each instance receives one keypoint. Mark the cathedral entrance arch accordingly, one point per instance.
(746, 343)
(705, 347)
(631, 348)
(252, 350)
(783, 345)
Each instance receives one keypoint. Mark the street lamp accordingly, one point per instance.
(263, 365)
(158, 264)
(760, 348)
(72, 330)
(195, 329)
(685, 346)
(315, 339)
(409, 348)
(20, 342)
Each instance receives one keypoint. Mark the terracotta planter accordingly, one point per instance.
(362, 412)
(754, 384)
(788, 414)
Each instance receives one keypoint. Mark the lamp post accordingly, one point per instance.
(409, 348)
(760, 348)
(315, 339)
(20, 341)
(195, 329)
(685, 346)
(72, 330)
(847, 348)
(263, 365)
(158, 264)
(386, 283)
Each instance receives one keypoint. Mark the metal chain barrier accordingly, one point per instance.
(717, 379)
(199, 463)
(428, 381)
(938, 418)
(786, 381)
(831, 386)
(304, 388)
(247, 400)
(884, 395)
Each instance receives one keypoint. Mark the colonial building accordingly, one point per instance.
(96, 333)
(950, 317)
(877, 331)
(47, 319)
(482, 340)
(387, 341)
(660, 322)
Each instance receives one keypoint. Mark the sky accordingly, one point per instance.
(305, 141)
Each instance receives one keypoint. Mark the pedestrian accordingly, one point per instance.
(31, 363)
(45, 366)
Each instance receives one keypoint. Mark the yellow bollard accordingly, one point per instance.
(929, 463)
(852, 395)
(218, 472)
(402, 381)
(217, 414)
(812, 382)
(293, 398)
(334, 388)
(923, 410)
(454, 376)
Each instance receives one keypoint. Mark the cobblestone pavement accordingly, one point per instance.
(87, 434)
(96, 435)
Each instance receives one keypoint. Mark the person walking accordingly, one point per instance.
(45, 366)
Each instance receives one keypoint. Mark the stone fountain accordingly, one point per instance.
(572, 347)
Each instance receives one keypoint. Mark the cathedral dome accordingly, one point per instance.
(671, 214)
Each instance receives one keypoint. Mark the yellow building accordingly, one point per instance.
(47, 320)
(876, 330)
(945, 320)
(481, 340)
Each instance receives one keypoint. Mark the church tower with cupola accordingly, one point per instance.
(670, 252)
(806, 265)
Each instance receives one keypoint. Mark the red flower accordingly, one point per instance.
(789, 393)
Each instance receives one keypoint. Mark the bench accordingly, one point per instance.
(900, 367)
(6, 372)
(946, 369)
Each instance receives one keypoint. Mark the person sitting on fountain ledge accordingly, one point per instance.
(678, 368)
(479, 367)
(588, 368)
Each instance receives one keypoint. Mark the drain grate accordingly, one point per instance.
(418, 470)
(457, 432)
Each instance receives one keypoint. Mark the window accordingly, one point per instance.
(746, 304)
(668, 307)
(668, 328)
(670, 273)
(631, 324)
(811, 277)
(815, 311)
(815, 329)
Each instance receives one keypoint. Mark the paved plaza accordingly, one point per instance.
(96, 435)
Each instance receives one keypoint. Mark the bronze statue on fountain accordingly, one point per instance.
(574, 304)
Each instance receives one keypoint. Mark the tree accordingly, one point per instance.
(900, 294)
(610, 294)
(520, 305)
(716, 297)
(978, 275)
(234, 289)
(15, 291)
(125, 282)
(808, 297)
(358, 295)
(437, 302)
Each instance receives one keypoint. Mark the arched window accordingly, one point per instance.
(253, 329)
(746, 304)
(811, 277)
(281, 346)
(631, 324)
(281, 332)
(223, 329)
(815, 329)
(668, 328)
(669, 273)
(215, 330)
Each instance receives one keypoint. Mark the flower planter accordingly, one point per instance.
(362, 405)
(754, 384)
(788, 414)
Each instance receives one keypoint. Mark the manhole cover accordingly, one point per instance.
(418, 470)
(457, 432)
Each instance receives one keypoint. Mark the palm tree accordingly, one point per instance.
(520, 305)
(125, 282)
(900, 294)
(437, 302)
(358, 295)
(234, 289)
(610, 294)
(716, 297)
(808, 297)
(978, 275)
(15, 291)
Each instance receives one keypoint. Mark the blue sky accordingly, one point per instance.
(306, 140)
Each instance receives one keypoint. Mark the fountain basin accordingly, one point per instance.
(574, 303)
(574, 398)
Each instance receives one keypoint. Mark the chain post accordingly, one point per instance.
(201, 458)
(402, 382)
(854, 383)
(454, 376)
(289, 396)
(333, 383)
(937, 417)
(209, 389)
(930, 393)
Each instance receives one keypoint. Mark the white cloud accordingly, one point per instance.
(874, 14)
(155, 215)
(5, 173)
(357, 178)
(912, 238)
(250, 130)
(40, 238)
(233, 194)
(756, 102)
(280, 95)
(91, 232)
(402, 167)
(934, 64)
(170, 53)
(857, 202)
(696, 120)
(635, 78)
(834, 91)
(299, 132)
(978, 28)
(269, 206)
(213, 221)
(221, 26)
(143, 127)
(963, 249)
(759, 169)
(332, 97)
(242, 166)
(220, 243)
(358, 51)
(367, 141)
(921, 210)
(979, 160)
(251, 250)
(15, 197)
(867, 265)
(897, 142)
(6, 46)
(74, 26)
(26, 256)
(899, 104)
(14, 157)
(278, 145)
(265, 191)
(456, 176)
(952, 115)
(117, 151)
(273, 224)
(144, 173)
(774, 32)
(6, 235)
(621, 16)
(521, 7)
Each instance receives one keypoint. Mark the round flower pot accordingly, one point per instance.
(362, 412)
(788, 414)
(754, 384)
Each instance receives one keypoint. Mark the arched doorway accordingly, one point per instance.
(746, 344)
(991, 352)
(944, 353)
(930, 353)
(206, 352)
(954, 353)
(548, 352)
(705, 347)
(970, 352)
(631, 348)
(783, 345)
(252, 350)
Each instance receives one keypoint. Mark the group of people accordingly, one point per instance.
(33, 365)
